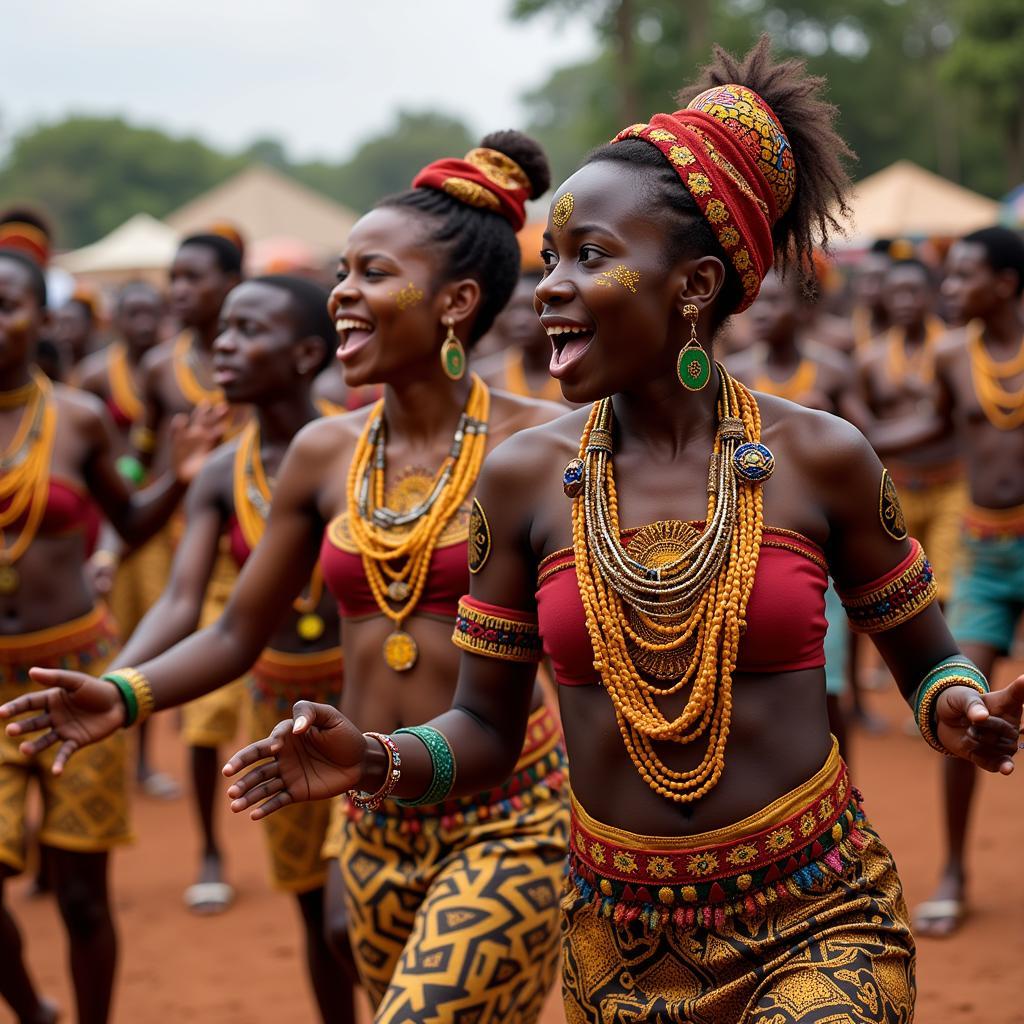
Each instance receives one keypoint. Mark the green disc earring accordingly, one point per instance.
(693, 367)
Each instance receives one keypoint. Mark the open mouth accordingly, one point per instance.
(353, 334)
(569, 343)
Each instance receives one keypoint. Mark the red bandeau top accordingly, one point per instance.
(240, 550)
(121, 419)
(785, 614)
(69, 509)
(342, 566)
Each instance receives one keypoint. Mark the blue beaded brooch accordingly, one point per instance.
(572, 478)
(754, 462)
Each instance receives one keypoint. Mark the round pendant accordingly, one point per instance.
(310, 627)
(398, 590)
(753, 462)
(693, 368)
(10, 579)
(400, 651)
(572, 478)
(453, 359)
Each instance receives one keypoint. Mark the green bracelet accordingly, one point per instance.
(131, 704)
(953, 671)
(442, 761)
(131, 469)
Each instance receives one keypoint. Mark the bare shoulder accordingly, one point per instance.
(952, 344)
(321, 441)
(537, 450)
(159, 357)
(512, 413)
(215, 482)
(91, 372)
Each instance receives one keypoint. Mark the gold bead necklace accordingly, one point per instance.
(674, 598)
(1004, 409)
(122, 387)
(396, 548)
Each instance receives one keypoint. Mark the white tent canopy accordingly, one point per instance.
(906, 201)
(140, 243)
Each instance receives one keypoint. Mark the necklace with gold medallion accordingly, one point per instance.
(396, 546)
(25, 472)
(253, 493)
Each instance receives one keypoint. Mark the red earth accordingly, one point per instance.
(244, 966)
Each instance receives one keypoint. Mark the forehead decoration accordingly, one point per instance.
(733, 157)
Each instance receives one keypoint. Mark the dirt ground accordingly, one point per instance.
(176, 967)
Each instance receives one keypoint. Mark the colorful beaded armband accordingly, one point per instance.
(442, 761)
(136, 693)
(371, 801)
(954, 671)
(894, 599)
(489, 630)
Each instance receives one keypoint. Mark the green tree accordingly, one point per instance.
(92, 173)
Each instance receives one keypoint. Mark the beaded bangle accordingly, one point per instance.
(481, 628)
(130, 469)
(894, 599)
(136, 693)
(442, 761)
(953, 671)
(371, 801)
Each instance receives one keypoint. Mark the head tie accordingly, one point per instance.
(733, 157)
(26, 239)
(486, 179)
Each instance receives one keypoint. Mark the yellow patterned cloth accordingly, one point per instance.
(819, 935)
(140, 581)
(295, 834)
(934, 512)
(213, 719)
(85, 809)
(453, 909)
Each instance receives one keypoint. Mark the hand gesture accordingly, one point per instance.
(77, 711)
(984, 729)
(315, 754)
(193, 437)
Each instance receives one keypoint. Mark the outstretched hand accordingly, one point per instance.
(984, 729)
(194, 436)
(315, 754)
(76, 711)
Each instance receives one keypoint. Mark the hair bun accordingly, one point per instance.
(527, 153)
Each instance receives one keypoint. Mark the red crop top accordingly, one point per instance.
(69, 509)
(240, 550)
(785, 614)
(342, 566)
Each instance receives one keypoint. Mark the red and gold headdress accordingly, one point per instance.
(26, 239)
(732, 155)
(485, 178)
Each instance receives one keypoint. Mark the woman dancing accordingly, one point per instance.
(383, 498)
(721, 866)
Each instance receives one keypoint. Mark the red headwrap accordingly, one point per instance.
(26, 239)
(733, 157)
(485, 178)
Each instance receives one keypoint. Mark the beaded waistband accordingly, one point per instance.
(290, 668)
(792, 845)
(92, 636)
(994, 523)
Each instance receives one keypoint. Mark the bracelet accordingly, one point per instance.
(954, 671)
(130, 469)
(442, 761)
(371, 801)
(136, 693)
(143, 439)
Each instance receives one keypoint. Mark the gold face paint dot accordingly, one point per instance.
(408, 296)
(563, 210)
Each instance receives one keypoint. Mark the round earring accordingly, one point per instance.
(453, 355)
(693, 367)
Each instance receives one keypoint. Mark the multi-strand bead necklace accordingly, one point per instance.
(1004, 408)
(673, 601)
(396, 548)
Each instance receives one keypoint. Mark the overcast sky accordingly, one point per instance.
(320, 75)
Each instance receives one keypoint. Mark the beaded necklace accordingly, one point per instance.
(122, 387)
(186, 367)
(25, 474)
(674, 600)
(1004, 409)
(252, 493)
(922, 364)
(396, 548)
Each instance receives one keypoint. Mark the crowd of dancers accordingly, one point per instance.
(604, 494)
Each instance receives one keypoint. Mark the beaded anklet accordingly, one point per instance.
(371, 801)
(953, 671)
(136, 693)
(442, 761)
